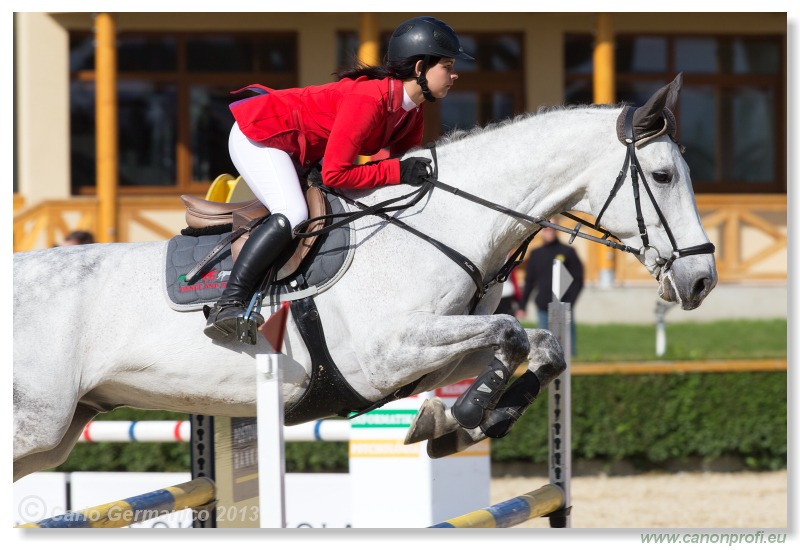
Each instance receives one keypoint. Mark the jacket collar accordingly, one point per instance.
(396, 94)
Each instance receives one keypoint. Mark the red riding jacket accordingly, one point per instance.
(340, 120)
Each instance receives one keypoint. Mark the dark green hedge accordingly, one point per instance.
(652, 419)
(648, 420)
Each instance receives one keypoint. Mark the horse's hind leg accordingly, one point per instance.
(51, 458)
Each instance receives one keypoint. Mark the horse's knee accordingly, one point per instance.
(546, 356)
(514, 343)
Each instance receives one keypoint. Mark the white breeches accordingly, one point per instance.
(270, 174)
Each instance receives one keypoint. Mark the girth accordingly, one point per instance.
(328, 393)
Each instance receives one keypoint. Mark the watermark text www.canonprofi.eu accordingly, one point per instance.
(729, 539)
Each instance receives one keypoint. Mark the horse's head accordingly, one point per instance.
(662, 223)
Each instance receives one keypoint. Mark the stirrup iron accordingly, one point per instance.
(248, 322)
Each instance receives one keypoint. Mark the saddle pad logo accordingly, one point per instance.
(213, 280)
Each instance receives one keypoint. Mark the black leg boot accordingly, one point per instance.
(515, 400)
(262, 248)
(482, 395)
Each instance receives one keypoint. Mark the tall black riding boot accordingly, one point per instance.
(259, 252)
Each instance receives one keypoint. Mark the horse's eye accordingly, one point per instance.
(662, 177)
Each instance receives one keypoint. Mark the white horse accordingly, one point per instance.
(92, 330)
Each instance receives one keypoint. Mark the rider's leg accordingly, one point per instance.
(260, 250)
(271, 176)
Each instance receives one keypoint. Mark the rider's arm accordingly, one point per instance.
(358, 115)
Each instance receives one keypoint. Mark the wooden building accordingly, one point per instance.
(116, 115)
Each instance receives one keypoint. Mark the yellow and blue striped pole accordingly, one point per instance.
(121, 513)
(534, 504)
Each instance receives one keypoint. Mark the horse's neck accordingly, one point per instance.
(540, 166)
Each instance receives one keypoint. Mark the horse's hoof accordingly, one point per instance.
(422, 426)
(453, 442)
(443, 446)
(431, 422)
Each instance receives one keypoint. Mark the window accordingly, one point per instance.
(731, 115)
(489, 89)
(173, 96)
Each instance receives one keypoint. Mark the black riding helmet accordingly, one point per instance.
(425, 37)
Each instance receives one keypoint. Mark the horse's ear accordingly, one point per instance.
(648, 114)
(673, 92)
(651, 113)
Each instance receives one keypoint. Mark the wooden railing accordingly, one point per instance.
(140, 219)
(45, 224)
(748, 230)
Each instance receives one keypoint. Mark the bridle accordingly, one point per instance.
(631, 163)
(636, 172)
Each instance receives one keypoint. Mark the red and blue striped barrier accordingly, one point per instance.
(168, 431)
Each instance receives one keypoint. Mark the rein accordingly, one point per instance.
(462, 261)
(631, 162)
(636, 172)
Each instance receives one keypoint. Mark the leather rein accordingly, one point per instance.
(631, 163)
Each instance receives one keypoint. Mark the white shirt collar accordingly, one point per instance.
(408, 103)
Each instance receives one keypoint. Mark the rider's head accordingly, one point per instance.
(418, 45)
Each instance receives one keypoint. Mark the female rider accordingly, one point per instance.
(281, 132)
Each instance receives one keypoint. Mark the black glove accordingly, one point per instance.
(414, 170)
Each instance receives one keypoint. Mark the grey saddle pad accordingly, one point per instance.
(183, 252)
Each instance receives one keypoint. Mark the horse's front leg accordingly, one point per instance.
(438, 424)
(429, 343)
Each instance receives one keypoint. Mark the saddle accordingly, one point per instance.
(242, 217)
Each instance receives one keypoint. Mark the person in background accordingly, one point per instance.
(78, 237)
(539, 277)
(509, 302)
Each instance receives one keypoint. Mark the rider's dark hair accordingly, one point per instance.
(402, 69)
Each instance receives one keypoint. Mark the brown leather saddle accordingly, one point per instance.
(243, 217)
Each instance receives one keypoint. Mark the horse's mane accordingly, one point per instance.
(459, 135)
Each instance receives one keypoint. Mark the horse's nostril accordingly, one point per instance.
(701, 287)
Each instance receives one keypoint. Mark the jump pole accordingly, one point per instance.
(545, 500)
(559, 320)
(270, 415)
(272, 460)
(198, 494)
(552, 500)
(179, 431)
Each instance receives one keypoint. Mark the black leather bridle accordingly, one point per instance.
(636, 172)
(631, 163)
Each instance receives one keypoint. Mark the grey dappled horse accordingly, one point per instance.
(92, 330)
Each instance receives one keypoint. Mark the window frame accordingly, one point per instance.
(183, 80)
(484, 83)
(718, 82)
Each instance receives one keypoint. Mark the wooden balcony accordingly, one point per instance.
(750, 232)
(141, 218)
